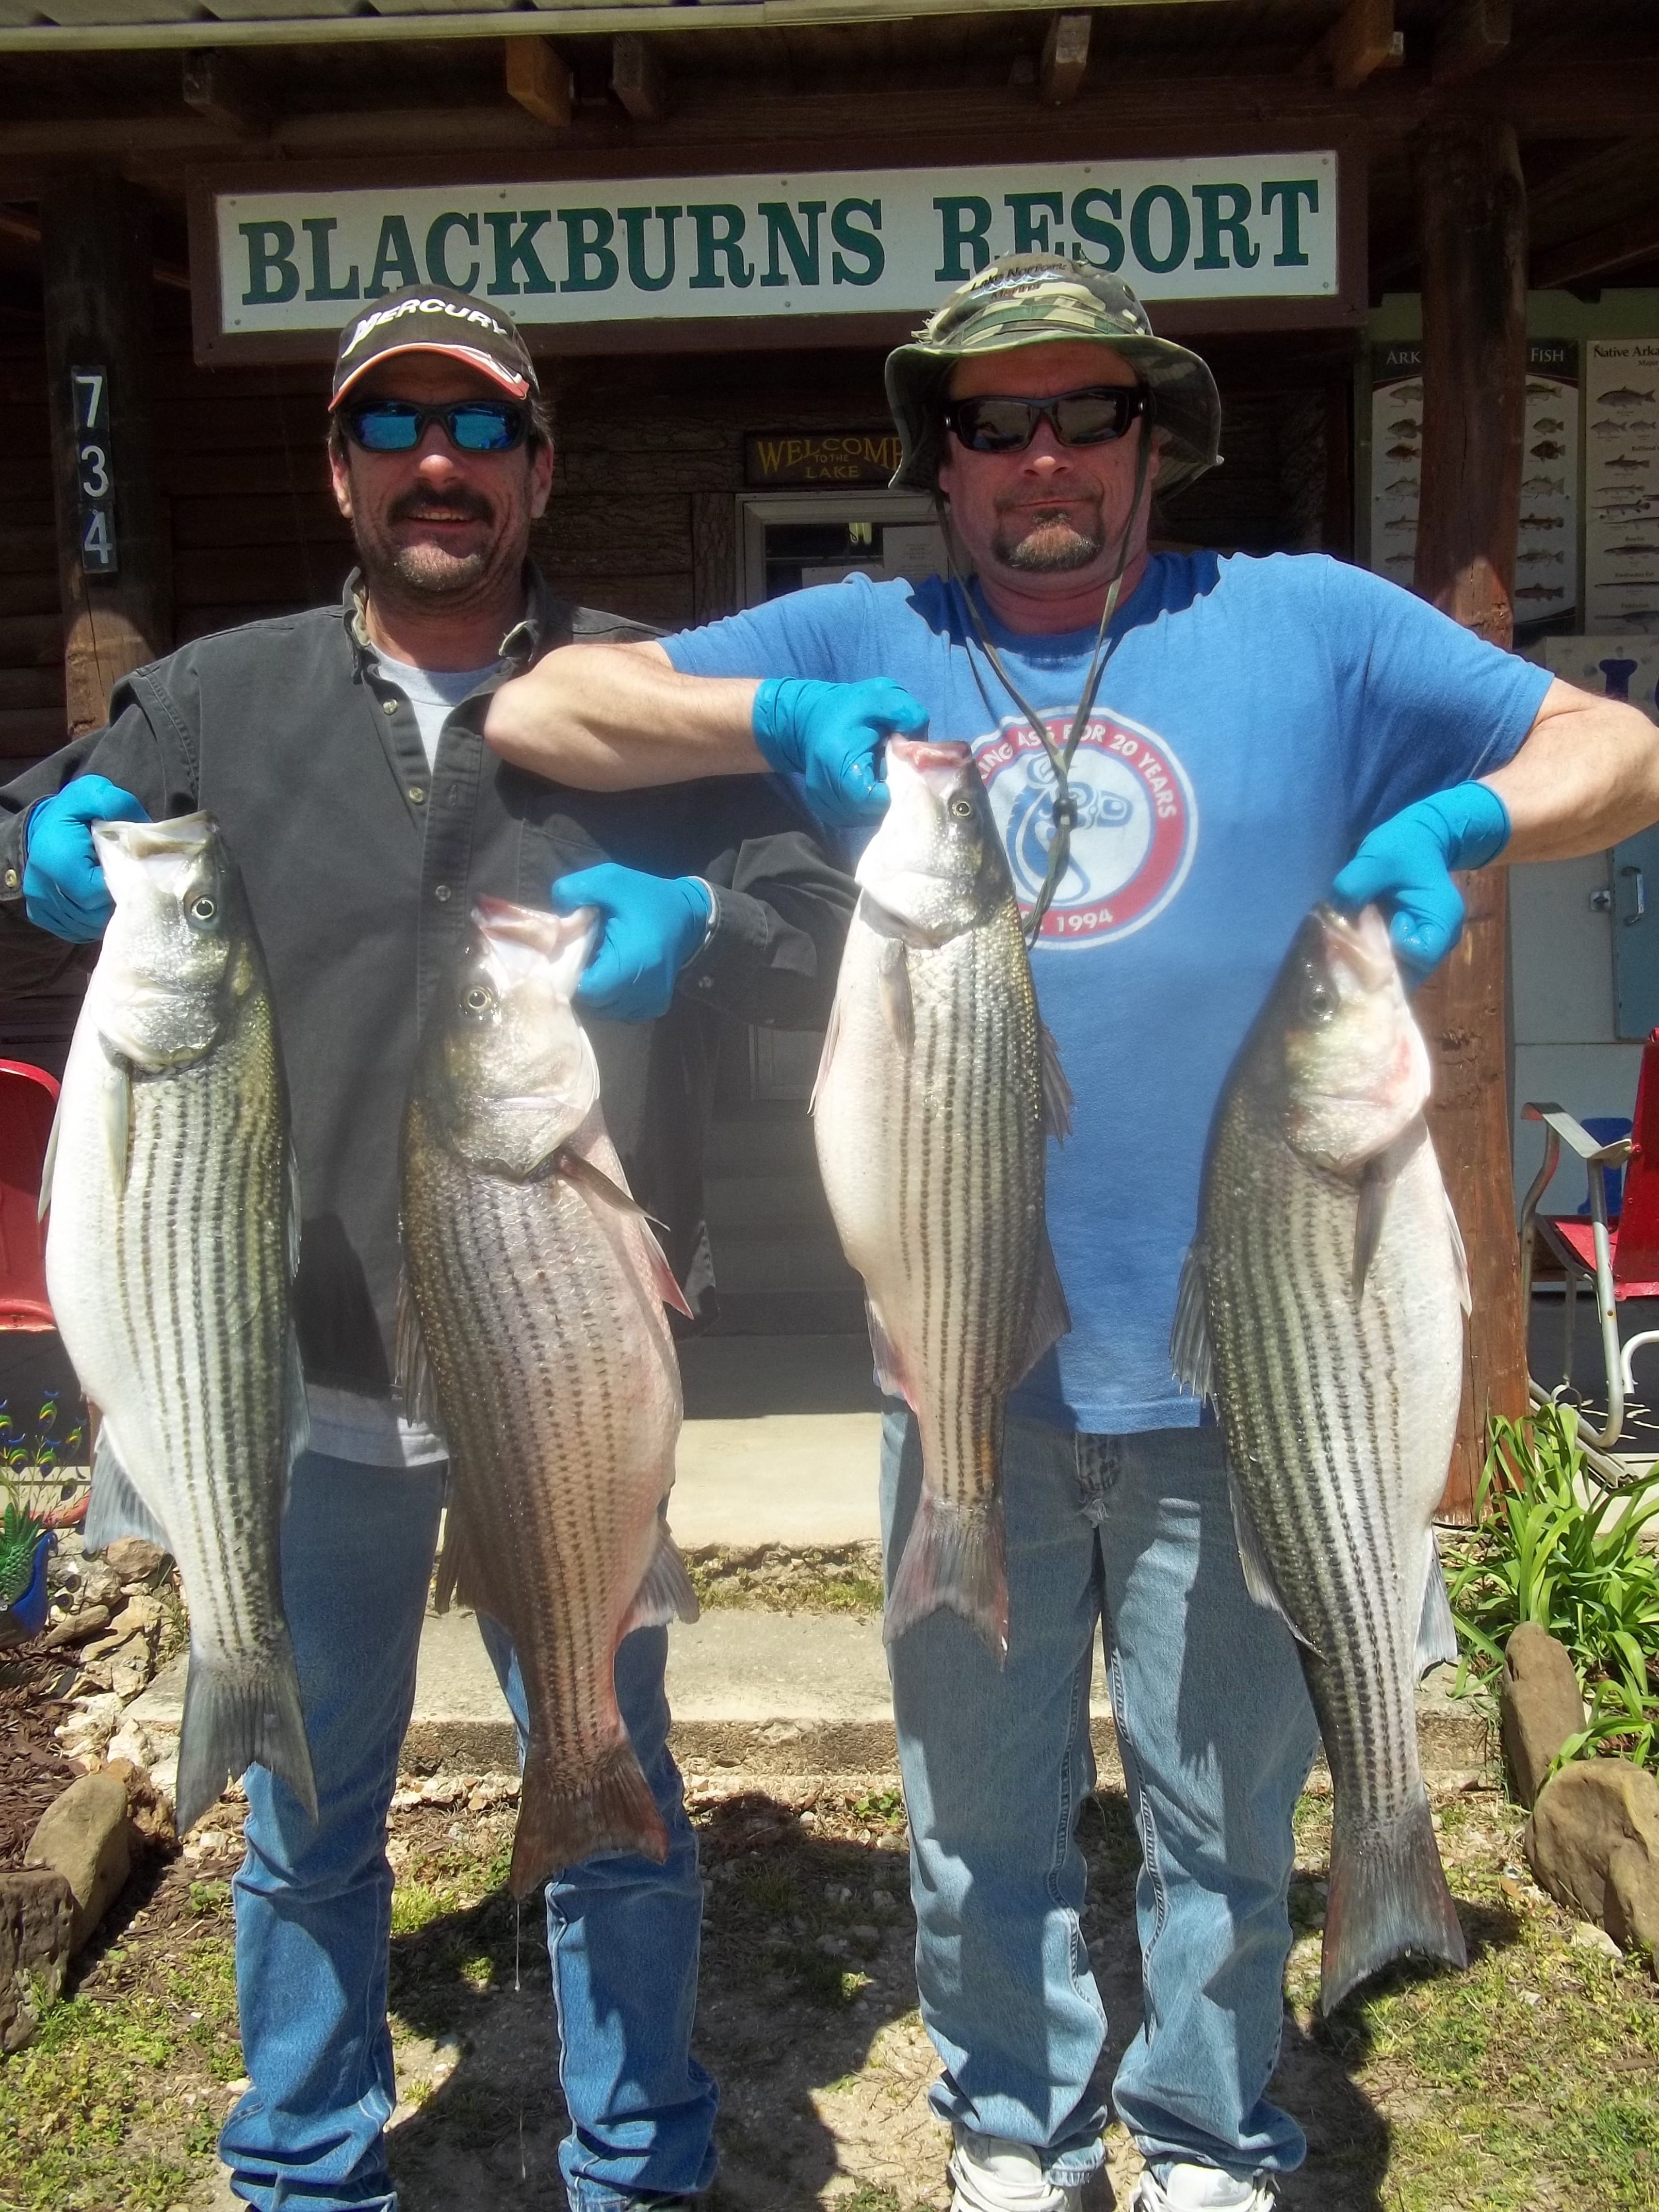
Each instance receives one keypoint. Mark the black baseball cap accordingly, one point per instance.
(431, 319)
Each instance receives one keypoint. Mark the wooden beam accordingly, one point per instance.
(27, 229)
(1472, 227)
(1470, 37)
(95, 256)
(1064, 60)
(539, 79)
(221, 88)
(1362, 41)
(637, 77)
(1600, 252)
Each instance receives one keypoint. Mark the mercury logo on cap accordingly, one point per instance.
(431, 319)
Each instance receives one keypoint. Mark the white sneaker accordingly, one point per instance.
(1200, 2188)
(993, 2174)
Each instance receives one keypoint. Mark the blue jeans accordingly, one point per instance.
(313, 1904)
(623, 1935)
(1217, 1733)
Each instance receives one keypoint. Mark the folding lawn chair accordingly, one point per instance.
(1617, 1257)
(28, 1099)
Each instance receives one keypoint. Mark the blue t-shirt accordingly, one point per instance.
(1255, 719)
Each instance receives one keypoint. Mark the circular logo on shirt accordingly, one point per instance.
(1137, 824)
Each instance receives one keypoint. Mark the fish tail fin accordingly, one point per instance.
(1388, 1895)
(610, 1809)
(241, 1711)
(953, 1558)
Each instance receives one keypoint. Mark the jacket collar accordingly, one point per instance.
(545, 622)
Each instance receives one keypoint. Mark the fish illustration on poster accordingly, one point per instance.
(1611, 665)
(1546, 550)
(1621, 487)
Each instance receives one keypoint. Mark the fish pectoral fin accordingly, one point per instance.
(1437, 1632)
(1376, 1189)
(831, 1039)
(115, 1111)
(417, 1384)
(294, 1216)
(1057, 1101)
(50, 1161)
(298, 1408)
(665, 1594)
(893, 980)
(889, 1368)
(662, 1274)
(1051, 1317)
(595, 1181)
(1258, 1577)
(1190, 1358)
(1460, 1258)
(115, 1508)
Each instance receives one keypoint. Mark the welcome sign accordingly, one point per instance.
(1250, 226)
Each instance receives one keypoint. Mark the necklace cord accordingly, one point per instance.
(1063, 809)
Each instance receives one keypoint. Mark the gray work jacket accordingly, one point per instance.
(362, 864)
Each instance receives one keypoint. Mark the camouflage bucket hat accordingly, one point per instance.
(1035, 299)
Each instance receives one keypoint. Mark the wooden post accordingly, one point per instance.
(95, 260)
(1471, 230)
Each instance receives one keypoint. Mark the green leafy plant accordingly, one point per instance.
(1551, 1546)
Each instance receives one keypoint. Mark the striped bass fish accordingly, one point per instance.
(170, 1256)
(537, 1338)
(1322, 1306)
(938, 1090)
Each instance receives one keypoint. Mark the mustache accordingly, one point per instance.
(411, 506)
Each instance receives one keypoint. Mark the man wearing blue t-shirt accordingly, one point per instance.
(1184, 753)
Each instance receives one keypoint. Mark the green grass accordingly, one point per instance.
(814, 1580)
(122, 2090)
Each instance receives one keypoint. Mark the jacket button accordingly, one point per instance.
(417, 794)
(442, 891)
(11, 879)
(388, 706)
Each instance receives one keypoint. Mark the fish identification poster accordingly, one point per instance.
(1546, 553)
(1621, 487)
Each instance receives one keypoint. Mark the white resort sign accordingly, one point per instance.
(629, 250)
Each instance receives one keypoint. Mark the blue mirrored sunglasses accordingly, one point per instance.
(472, 426)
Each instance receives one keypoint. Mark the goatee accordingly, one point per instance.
(1053, 546)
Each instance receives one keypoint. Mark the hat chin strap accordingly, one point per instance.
(1064, 808)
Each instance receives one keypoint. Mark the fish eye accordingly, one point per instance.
(479, 1001)
(962, 809)
(203, 909)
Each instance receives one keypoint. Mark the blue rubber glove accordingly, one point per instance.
(63, 887)
(652, 927)
(1407, 861)
(831, 735)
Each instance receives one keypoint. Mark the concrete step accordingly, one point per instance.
(764, 1693)
(767, 1144)
(807, 1257)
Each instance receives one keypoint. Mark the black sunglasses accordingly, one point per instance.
(472, 426)
(1094, 415)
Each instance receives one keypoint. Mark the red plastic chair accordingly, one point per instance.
(28, 1099)
(1619, 1258)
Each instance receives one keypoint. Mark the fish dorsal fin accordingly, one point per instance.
(1437, 1632)
(831, 1039)
(1259, 1578)
(115, 1508)
(1057, 1101)
(665, 1594)
(1190, 1358)
(889, 1368)
(417, 1386)
(1051, 1317)
(893, 977)
(298, 1408)
(51, 1160)
(295, 1217)
(668, 1283)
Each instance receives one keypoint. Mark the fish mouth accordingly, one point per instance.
(1362, 941)
(930, 753)
(149, 840)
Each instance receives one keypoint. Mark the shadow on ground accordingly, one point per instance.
(807, 2020)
